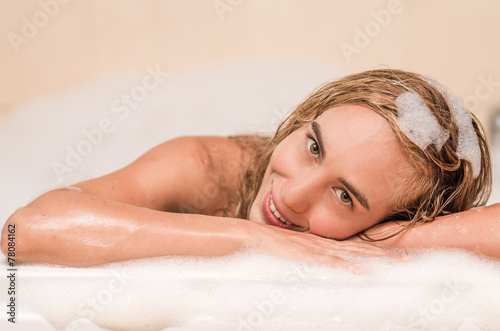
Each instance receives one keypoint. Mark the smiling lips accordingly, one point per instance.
(276, 212)
(272, 215)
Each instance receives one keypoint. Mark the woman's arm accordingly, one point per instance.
(476, 230)
(78, 229)
(131, 213)
(73, 228)
(136, 212)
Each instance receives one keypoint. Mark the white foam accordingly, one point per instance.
(418, 122)
(248, 291)
(468, 145)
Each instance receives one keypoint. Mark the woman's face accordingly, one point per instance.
(334, 177)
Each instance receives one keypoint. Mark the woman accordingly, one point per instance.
(344, 173)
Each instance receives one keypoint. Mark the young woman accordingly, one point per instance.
(348, 173)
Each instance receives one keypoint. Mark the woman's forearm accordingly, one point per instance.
(77, 229)
(476, 230)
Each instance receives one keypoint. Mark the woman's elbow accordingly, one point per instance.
(17, 234)
(9, 240)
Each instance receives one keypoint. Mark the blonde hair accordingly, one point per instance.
(439, 183)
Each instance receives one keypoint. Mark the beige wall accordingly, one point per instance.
(453, 41)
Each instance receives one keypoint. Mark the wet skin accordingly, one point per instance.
(335, 176)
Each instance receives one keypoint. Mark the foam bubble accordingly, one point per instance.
(468, 145)
(249, 291)
(418, 122)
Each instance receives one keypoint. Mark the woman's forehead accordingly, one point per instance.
(361, 145)
(357, 121)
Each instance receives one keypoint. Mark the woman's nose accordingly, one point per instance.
(298, 193)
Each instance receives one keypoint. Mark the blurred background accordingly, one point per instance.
(56, 55)
(51, 45)
(86, 86)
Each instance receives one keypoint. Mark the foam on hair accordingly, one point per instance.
(418, 122)
(468, 145)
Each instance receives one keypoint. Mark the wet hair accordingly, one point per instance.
(439, 181)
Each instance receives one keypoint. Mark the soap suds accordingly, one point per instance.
(248, 291)
(418, 122)
(468, 145)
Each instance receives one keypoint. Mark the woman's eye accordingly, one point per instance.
(313, 147)
(343, 196)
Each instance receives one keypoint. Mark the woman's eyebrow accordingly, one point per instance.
(358, 195)
(317, 131)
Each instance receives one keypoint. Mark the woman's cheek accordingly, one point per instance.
(288, 157)
(280, 159)
(322, 226)
(331, 226)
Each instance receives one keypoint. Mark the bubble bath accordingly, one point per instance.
(246, 291)
(468, 146)
(418, 122)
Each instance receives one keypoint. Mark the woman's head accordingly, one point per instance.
(419, 184)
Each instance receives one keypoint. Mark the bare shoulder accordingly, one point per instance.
(206, 151)
(226, 154)
(211, 156)
(228, 159)
(194, 174)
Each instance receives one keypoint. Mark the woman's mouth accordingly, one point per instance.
(272, 215)
(276, 212)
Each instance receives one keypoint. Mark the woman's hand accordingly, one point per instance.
(475, 230)
(381, 231)
(312, 248)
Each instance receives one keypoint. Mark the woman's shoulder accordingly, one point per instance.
(238, 149)
(213, 152)
(186, 174)
(210, 152)
(228, 157)
(222, 161)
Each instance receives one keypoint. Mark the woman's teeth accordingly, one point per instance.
(276, 213)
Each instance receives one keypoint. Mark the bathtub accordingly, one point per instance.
(86, 129)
